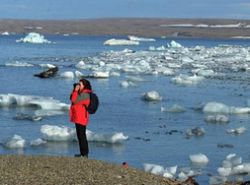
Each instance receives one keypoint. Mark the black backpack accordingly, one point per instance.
(94, 103)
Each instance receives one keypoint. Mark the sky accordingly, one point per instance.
(88, 9)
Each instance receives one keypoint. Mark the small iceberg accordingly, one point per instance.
(100, 74)
(34, 38)
(236, 131)
(216, 107)
(62, 133)
(174, 44)
(67, 74)
(152, 96)
(219, 118)
(115, 42)
(56, 133)
(168, 172)
(80, 65)
(199, 159)
(38, 142)
(15, 142)
(134, 38)
(19, 64)
(5, 33)
(187, 80)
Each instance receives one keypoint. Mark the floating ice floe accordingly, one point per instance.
(187, 80)
(134, 38)
(34, 38)
(175, 108)
(216, 107)
(80, 65)
(174, 44)
(219, 118)
(5, 33)
(15, 142)
(114, 42)
(19, 64)
(152, 96)
(200, 159)
(62, 133)
(50, 66)
(239, 130)
(78, 74)
(216, 180)
(113, 138)
(233, 165)
(100, 74)
(47, 103)
(168, 172)
(203, 72)
(56, 133)
(22, 116)
(67, 74)
(38, 142)
(126, 84)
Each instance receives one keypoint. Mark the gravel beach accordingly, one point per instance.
(50, 170)
(55, 170)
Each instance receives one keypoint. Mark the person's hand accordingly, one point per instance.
(77, 88)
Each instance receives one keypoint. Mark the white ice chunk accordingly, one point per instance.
(34, 38)
(224, 171)
(134, 38)
(5, 33)
(100, 74)
(47, 66)
(114, 42)
(67, 74)
(174, 44)
(217, 180)
(19, 64)
(187, 80)
(113, 138)
(15, 142)
(80, 65)
(126, 84)
(78, 74)
(204, 72)
(198, 158)
(154, 169)
(216, 107)
(239, 130)
(152, 96)
(219, 118)
(56, 133)
(37, 142)
(182, 176)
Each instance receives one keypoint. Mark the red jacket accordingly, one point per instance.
(78, 113)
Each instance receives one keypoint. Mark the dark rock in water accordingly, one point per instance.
(225, 145)
(27, 117)
(48, 74)
(190, 181)
(197, 131)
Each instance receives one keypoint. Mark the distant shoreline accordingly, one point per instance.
(146, 27)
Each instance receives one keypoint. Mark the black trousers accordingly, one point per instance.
(82, 139)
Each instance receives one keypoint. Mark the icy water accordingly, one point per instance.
(155, 135)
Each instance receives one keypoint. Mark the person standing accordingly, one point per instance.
(80, 100)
